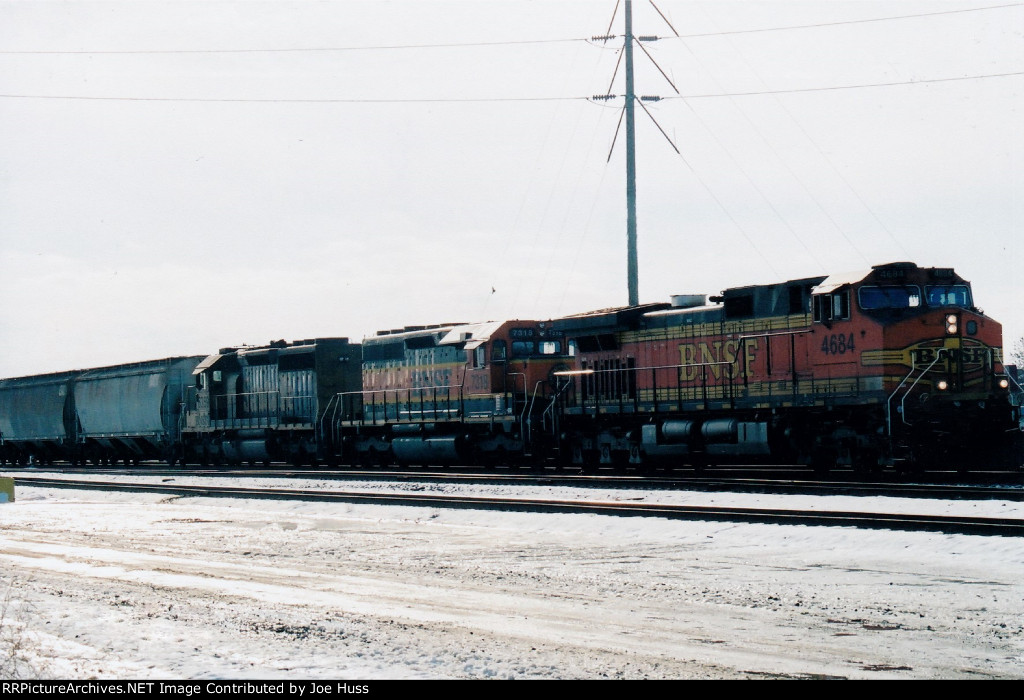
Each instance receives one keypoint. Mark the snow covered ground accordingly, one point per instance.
(118, 585)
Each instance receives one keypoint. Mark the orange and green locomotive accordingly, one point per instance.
(891, 366)
(448, 394)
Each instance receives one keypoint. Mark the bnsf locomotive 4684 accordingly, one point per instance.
(889, 367)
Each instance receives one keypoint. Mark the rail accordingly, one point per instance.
(950, 524)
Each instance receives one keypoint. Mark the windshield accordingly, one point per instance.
(890, 297)
(949, 295)
(528, 348)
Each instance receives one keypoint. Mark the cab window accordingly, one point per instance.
(522, 348)
(948, 295)
(832, 307)
(905, 296)
(550, 347)
(498, 351)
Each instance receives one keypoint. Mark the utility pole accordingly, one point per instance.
(632, 274)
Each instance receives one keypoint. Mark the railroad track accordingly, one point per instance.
(778, 485)
(1009, 527)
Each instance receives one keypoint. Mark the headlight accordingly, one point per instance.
(1004, 383)
(951, 324)
(942, 385)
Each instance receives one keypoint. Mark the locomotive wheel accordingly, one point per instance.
(494, 459)
(865, 462)
(823, 460)
(590, 462)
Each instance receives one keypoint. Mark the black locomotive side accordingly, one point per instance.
(268, 403)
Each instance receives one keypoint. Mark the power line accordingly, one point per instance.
(843, 87)
(307, 49)
(844, 22)
(295, 100)
(393, 47)
(695, 96)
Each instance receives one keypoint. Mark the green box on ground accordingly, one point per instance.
(6, 489)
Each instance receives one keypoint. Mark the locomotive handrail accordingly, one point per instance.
(1008, 376)
(888, 401)
(321, 430)
(522, 415)
(414, 388)
(550, 409)
(903, 401)
(588, 370)
(768, 350)
(773, 334)
(273, 408)
(370, 396)
(528, 415)
(586, 396)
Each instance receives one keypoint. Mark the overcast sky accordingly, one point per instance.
(181, 176)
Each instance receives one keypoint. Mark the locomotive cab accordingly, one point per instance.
(912, 341)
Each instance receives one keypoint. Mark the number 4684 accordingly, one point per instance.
(837, 344)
